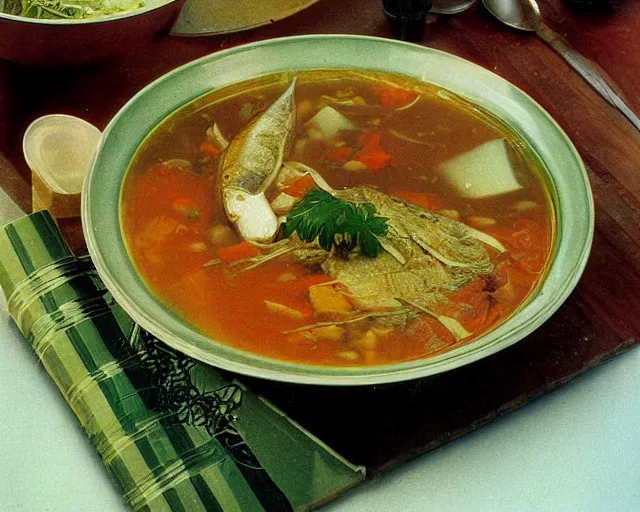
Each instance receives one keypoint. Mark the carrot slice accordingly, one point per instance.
(425, 201)
(339, 155)
(206, 148)
(372, 154)
(237, 252)
(396, 97)
(370, 140)
(374, 160)
(300, 186)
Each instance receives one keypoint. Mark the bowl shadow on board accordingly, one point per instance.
(73, 44)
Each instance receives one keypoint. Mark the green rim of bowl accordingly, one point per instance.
(150, 5)
(128, 129)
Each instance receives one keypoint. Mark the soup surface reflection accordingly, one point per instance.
(407, 221)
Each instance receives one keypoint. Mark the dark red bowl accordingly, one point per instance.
(72, 43)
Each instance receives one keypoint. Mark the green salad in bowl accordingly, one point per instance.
(68, 9)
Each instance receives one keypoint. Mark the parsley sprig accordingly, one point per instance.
(337, 224)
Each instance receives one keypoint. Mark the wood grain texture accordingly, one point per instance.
(600, 318)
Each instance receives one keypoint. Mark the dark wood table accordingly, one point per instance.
(599, 320)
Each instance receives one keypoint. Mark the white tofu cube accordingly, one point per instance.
(485, 171)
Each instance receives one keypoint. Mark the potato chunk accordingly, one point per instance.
(368, 341)
(330, 332)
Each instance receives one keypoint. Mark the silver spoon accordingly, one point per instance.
(525, 15)
(450, 6)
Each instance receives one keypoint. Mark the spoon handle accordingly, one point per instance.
(588, 71)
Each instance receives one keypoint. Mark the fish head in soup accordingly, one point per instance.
(249, 165)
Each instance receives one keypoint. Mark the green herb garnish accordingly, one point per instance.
(338, 224)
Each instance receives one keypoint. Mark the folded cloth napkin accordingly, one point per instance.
(175, 434)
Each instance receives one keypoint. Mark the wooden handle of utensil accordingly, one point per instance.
(593, 75)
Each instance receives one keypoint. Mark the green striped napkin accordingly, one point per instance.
(173, 433)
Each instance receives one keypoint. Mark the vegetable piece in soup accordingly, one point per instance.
(338, 218)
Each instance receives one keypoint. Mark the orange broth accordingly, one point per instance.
(170, 214)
